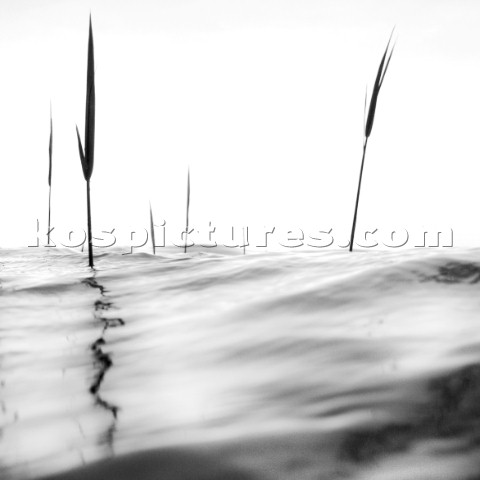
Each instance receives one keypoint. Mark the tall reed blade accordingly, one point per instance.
(368, 124)
(152, 229)
(50, 151)
(87, 154)
(188, 208)
(382, 70)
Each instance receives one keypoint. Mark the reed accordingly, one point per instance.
(86, 155)
(188, 208)
(50, 151)
(152, 229)
(368, 123)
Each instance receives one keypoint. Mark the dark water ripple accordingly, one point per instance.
(102, 359)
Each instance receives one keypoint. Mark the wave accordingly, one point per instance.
(299, 365)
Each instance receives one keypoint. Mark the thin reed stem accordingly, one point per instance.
(152, 230)
(50, 152)
(358, 195)
(89, 224)
(188, 208)
(87, 154)
(368, 122)
(49, 211)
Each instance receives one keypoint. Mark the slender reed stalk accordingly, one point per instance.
(368, 124)
(86, 156)
(50, 151)
(188, 208)
(244, 244)
(152, 229)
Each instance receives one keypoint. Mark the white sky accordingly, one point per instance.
(262, 98)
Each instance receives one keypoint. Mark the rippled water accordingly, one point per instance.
(271, 366)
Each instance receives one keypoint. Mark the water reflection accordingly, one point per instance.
(450, 410)
(456, 272)
(102, 360)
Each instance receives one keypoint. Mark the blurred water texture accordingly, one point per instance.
(211, 365)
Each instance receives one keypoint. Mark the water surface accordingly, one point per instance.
(318, 365)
